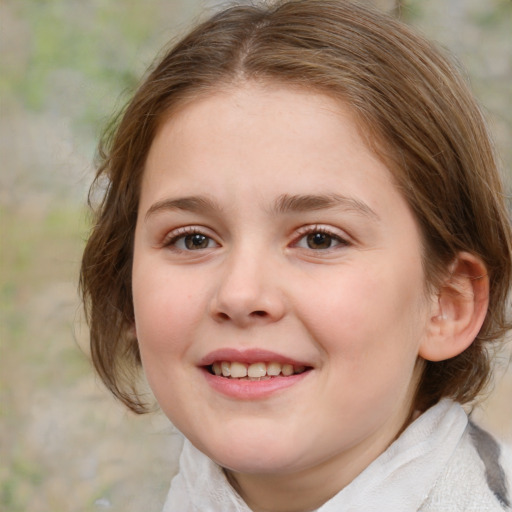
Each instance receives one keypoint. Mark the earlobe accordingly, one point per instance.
(459, 310)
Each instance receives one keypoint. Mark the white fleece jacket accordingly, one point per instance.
(441, 463)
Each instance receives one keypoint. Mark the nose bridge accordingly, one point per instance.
(248, 288)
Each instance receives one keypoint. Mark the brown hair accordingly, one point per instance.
(414, 109)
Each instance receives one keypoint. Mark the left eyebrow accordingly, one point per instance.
(301, 203)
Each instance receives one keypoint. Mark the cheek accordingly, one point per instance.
(164, 324)
(370, 312)
(165, 311)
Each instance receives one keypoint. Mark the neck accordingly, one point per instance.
(283, 493)
(310, 488)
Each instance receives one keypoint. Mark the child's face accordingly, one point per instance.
(269, 233)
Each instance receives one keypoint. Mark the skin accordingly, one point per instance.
(356, 312)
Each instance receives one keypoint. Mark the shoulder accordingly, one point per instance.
(477, 478)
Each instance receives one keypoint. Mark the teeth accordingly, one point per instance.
(226, 369)
(257, 370)
(287, 370)
(254, 371)
(238, 370)
(273, 369)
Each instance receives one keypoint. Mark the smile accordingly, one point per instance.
(255, 371)
(252, 374)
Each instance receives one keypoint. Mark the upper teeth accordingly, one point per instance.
(255, 370)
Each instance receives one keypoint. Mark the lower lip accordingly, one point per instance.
(252, 389)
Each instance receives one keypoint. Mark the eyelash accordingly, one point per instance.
(314, 230)
(171, 241)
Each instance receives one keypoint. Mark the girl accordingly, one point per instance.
(304, 244)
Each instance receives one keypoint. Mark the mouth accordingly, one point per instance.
(252, 374)
(256, 371)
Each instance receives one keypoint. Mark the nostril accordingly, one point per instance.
(259, 313)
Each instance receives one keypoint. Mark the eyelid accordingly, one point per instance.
(172, 236)
(337, 234)
(343, 238)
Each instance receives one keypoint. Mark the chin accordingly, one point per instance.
(264, 464)
(254, 456)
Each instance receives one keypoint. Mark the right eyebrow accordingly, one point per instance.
(190, 204)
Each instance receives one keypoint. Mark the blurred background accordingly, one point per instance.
(65, 67)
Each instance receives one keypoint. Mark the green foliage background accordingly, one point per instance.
(65, 67)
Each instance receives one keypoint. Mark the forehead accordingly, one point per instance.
(280, 126)
(264, 141)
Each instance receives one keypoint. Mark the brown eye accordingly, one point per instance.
(315, 238)
(196, 241)
(191, 241)
(319, 240)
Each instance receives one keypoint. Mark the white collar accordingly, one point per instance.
(399, 480)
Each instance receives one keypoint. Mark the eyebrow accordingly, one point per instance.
(301, 203)
(284, 204)
(190, 204)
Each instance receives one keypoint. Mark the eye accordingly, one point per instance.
(190, 240)
(320, 239)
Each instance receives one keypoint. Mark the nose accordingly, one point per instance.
(248, 291)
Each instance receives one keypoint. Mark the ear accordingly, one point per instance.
(458, 311)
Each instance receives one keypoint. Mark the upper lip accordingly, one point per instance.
(248, 356)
